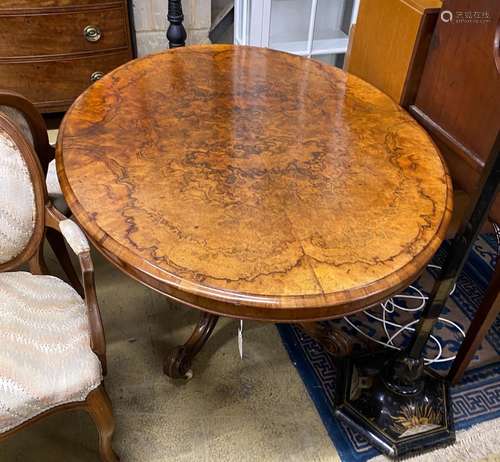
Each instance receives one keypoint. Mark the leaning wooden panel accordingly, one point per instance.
(390, 44)
(458, 99)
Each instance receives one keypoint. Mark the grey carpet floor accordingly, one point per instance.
(255, 409)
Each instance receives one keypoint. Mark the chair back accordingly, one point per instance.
(22, 197)
(16, 116)
(31, 123)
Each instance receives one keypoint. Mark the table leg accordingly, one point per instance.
(177, 363)
(331, 339)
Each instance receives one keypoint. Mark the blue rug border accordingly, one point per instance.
(493, 370)
(323, 407)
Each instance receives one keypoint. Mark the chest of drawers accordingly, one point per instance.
(52, 50)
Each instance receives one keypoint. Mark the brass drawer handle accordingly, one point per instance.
(96, 76)
(92, 33)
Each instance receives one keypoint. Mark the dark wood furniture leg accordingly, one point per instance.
(99, 408)
(176, 34)
(178, 361)
(333, 340)
(483, 319)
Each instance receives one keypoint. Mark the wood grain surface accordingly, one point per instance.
(253, 183)
(57, 53)
(56, 34)
(38, 4)
(458, 100)
(60, 80)
(390, 44)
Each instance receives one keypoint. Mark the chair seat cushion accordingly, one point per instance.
(45, 354)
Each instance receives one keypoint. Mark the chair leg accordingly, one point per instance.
(99, 408)
(57, 244)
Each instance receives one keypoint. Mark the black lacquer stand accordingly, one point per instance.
(399, 405)
(176, 33)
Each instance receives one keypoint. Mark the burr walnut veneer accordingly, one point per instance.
(252, 183)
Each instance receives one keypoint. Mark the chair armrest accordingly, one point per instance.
(78, 242)
(74, 236)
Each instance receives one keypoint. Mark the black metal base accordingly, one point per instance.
(396, 423)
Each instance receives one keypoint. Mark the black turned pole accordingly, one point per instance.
(460, 247)
(406, 371)
(395, 402)
(176, 34)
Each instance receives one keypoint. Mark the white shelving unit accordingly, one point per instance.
(313, 28)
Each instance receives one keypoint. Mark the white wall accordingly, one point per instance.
(151, 23)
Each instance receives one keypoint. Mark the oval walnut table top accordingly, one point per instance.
(253, 183)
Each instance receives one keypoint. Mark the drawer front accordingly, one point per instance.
(58, 82)
(49, 34)
(14, 4)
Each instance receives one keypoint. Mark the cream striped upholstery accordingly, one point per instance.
(17, 200)
(17, 117)
(74, 236)
(53, 187)
(45, 355)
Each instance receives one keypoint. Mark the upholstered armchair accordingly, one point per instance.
(52, 346)
(28, 120)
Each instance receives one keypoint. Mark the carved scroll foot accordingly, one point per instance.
(333, 340)
(178, 361)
